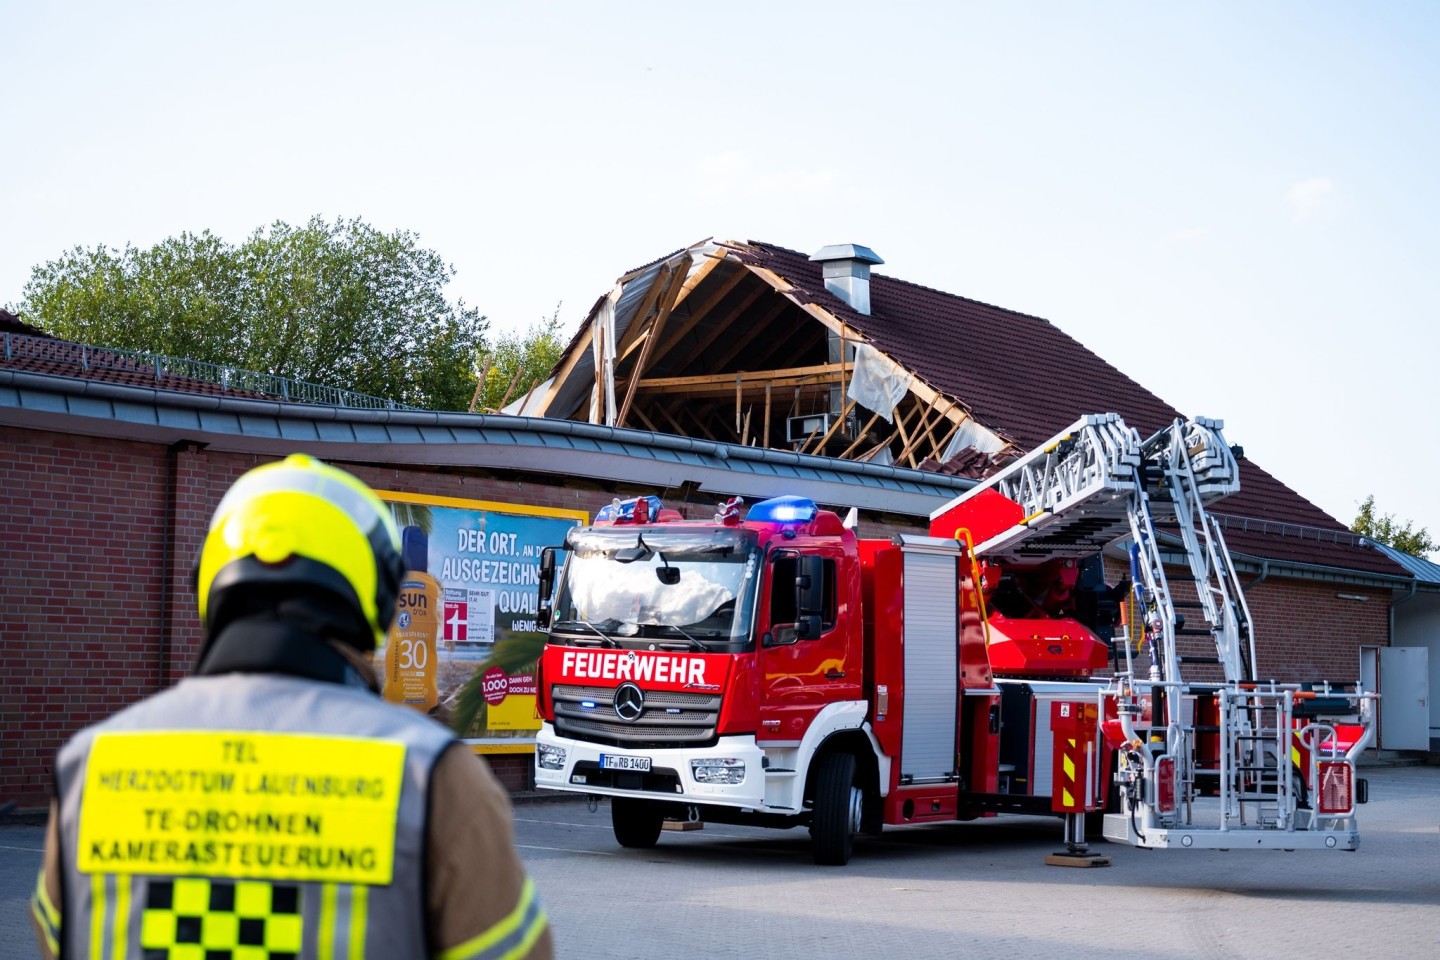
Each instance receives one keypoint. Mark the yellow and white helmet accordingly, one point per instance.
(294, 525)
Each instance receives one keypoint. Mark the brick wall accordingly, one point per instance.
(1305, 631)
(80, 596)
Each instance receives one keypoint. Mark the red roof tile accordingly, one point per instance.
(56, 357)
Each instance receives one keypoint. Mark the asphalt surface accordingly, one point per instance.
(957, 890)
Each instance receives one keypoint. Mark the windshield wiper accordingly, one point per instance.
(694, 644)
(605, 639)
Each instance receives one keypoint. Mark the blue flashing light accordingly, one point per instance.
(623, 511)
(783, 510)
(588, 704)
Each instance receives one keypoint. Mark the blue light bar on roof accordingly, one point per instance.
(783, 510)
(623, 511)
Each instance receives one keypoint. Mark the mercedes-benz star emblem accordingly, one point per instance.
(629, 702)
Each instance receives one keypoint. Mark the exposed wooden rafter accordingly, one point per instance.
(900, 418)
(665, 412)
(639, 415)
(644, 315)
(665, 303)
(700, 310)
(723, 327)
(744, 338)
(721, 384)
(860, 436)
(568, 367)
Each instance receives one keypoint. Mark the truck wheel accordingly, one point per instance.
(837, 807)
(636, 823)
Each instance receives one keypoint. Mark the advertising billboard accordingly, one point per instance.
(465, 640)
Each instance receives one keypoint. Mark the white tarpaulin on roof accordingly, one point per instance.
(877, 383)
(971, 434)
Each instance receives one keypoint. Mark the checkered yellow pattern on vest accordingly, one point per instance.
(191, 918)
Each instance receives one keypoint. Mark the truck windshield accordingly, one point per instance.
(688, 587)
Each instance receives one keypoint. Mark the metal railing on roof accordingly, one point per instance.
(86, 358)
(1298, 530)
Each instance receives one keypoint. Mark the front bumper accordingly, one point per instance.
(669, 777)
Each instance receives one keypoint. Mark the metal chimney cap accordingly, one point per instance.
(846, 251)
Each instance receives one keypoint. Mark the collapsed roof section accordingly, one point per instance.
(715, 341)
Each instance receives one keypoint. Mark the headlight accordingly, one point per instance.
(550, 757)
(721, 770)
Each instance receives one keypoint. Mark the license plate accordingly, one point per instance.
(611, 761)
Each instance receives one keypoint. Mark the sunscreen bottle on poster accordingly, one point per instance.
(411, 662)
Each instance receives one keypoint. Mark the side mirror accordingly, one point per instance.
(547, 588)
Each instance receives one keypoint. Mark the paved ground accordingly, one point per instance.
(962, 890)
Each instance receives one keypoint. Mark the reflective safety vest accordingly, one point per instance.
(247, 817)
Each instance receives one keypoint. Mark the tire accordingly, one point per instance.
(636, 823)
(836, 813)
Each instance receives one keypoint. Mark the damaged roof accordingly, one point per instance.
(1017, 377)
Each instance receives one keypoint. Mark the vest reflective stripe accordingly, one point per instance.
(46, 914)
(328, 926)
(109, 916)
(122, 916)
(99, 907)
(343, 910)
(360, 896)
(512, 937)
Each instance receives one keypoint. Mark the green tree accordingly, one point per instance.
(341, 304)
(1387, 530)
(517, 363)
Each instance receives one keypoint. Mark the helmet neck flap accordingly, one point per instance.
(295, 636)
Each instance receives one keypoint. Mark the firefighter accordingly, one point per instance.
(272, 804)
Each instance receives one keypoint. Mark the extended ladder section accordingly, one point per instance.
(1218, 762)
(1194, 467)
(1073, 493)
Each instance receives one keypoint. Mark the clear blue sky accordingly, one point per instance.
(1235, 203)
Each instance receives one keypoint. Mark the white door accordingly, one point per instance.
(1404, 687)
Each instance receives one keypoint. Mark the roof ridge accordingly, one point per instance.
(876, 275)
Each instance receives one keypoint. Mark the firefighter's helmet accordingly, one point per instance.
(300, 525)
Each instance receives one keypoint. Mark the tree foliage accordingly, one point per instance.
(340, 304)
(1384, 528)
(516, 363)
(515, 653)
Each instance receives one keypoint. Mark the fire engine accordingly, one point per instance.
(769, 667)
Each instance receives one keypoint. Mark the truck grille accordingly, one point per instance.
(668, 719)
